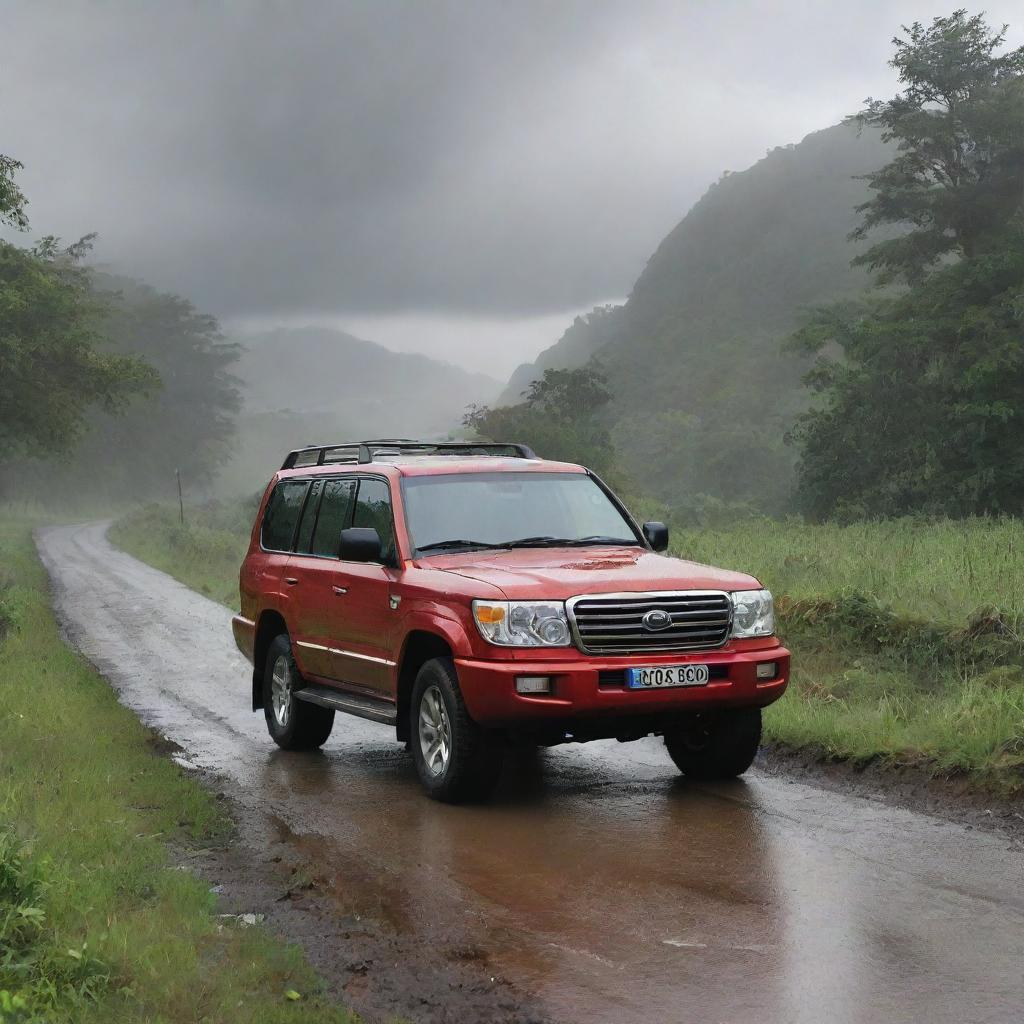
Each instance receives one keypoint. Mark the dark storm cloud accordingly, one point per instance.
(484, 157)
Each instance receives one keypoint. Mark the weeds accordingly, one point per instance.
(205, 551)
(942, 570)
(96, 926)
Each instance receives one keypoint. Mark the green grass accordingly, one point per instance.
(96, 924)
(906, 635)
(935, 570)
(205, 552)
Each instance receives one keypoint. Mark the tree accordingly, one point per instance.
(189, 423)
(561, 417)
(958, 176)
(12, 200)
(52, 369)
(186, 424)
(922, 412)
(921, 390)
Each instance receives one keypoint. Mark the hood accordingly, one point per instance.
(559, 573)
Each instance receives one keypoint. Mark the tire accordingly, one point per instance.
(471, 768)
(715, 746)
(292, 724)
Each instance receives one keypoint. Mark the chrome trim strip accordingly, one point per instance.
(346, 654)
(638, 599)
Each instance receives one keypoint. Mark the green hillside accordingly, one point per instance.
(703, 395)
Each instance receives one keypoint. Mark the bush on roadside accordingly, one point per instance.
(36, 974)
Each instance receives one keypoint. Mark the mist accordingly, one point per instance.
(491, 161)
(460, 183)
(567, 405)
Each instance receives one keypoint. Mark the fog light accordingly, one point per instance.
(533, 684)
(767, 670)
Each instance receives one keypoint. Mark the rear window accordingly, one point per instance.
(309, 518)
(335, 511)
(282, 514)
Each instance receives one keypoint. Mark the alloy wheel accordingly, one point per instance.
(435, 731)
(281, 691)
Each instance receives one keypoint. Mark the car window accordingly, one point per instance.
(282, 514)
(309, 511)
(373, 509)
(502, 508)
(335, 513)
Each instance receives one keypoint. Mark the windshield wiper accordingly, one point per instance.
(600, 538)
(545, 541)
(458, 544)
(566, 542)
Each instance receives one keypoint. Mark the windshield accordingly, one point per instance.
(481, 510)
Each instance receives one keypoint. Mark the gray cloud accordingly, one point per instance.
(353, 159)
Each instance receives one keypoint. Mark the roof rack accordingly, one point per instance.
(362, 452)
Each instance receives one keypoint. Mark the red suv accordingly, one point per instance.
(471, 595)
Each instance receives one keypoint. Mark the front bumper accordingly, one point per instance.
(587, 687)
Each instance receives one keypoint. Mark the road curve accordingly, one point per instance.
(598, 882)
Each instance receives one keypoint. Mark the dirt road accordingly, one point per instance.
(597, 887)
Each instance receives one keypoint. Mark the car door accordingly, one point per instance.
(312, 574)
(363, 638)
(265, 570)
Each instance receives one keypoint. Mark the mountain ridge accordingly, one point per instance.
(703, 393)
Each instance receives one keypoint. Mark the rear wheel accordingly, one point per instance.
(455, 758)
(292, 724)
(715, 746)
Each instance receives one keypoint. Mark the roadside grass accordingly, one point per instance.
(205, 552)
(944, 570)
(907, 635)
(96, 923)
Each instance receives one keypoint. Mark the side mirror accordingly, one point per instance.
(656, 534)
(360, 544)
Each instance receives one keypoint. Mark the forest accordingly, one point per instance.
(835, 332)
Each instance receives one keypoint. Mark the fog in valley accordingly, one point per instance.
(354, 220)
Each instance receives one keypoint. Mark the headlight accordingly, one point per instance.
(522, 623)
(753, 613)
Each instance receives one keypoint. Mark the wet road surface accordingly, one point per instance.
(598, 882)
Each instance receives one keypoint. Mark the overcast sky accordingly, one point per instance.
(457, 178)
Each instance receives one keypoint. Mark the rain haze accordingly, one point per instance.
(605, 416)
(453, 178)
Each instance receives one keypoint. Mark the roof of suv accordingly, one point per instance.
(437, 465)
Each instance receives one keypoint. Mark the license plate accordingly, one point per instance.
(662, 676)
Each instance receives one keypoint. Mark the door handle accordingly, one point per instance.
(290, 580)
(340, 590)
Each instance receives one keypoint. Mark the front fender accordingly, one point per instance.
(451, 630)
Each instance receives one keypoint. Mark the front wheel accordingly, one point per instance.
(715, 746)
(292, 724)
(455, 758)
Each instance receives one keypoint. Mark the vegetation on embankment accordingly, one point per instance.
(205, 552)
(96, 923)
(933, 569)
(906, 635)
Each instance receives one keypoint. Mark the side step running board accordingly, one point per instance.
(350, 703)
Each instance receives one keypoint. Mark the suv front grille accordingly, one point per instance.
(613, 623)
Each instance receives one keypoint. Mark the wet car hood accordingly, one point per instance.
(538, 573)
